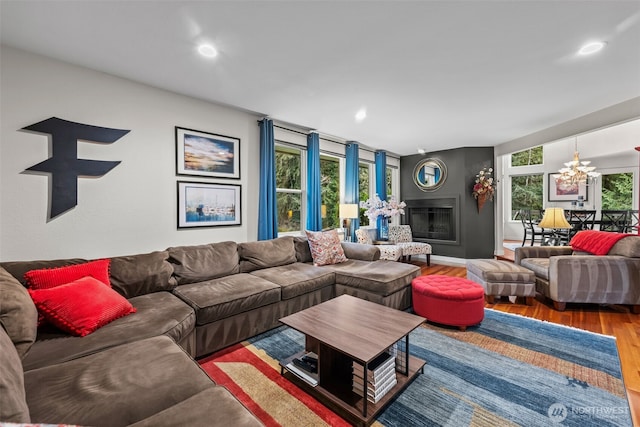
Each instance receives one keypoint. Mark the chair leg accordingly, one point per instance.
(428, 260)
(560, 306)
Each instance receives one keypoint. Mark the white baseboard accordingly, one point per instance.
(446, 260)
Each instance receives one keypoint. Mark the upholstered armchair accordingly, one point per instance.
(566, 275)
(400, 235)
(388, 252)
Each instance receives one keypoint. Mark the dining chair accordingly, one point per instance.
(633, 222)
(613, 220)
(580, 219)
(530, 219)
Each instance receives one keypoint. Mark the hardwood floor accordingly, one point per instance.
(616, 320)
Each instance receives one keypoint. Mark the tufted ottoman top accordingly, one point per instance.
(447, 287)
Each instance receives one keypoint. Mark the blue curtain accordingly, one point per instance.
(267, 203)
(314, 199)
(352, 185)
(381, 178)
(381, 174)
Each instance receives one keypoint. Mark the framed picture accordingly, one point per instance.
(207, 154)
(208, 205)
(566, 192)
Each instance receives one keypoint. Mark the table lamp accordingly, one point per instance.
(348, 211)
(554, 219)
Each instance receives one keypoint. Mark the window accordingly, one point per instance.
(330, 190)
(389, 181)
(526, 193)
(617, 191)
(289, 188)
(527, 189)
(532, 156)
(364, 185)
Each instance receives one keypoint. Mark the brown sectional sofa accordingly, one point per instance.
(190, 301)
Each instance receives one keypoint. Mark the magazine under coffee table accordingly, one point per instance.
(347, 330)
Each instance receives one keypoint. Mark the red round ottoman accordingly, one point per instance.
(453, 301)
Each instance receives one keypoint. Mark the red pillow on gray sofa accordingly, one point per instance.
(82, 306)
(51, 277)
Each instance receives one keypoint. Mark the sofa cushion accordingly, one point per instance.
(18, 314)
(629, 247)
(380, 277)
(303, 251)
(266, 253)
(141, 274)
(354, 250)
(595, 241)
(116, 387)
(297, 279)
(192, 264)
(213, 406)
(540, 266)
(325, 247)
(13, 403)
(226, 296)
(51, 277)
(82, 306)
(159, 313)
(18, 268)
(497, 271)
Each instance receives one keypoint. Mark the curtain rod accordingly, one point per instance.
(324, 138)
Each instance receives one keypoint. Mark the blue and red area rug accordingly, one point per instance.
(508, 371)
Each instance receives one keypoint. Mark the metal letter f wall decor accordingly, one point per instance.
(64, 166)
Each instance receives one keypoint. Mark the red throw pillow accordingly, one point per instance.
(51, 277)
(82, 306)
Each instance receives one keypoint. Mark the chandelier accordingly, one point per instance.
(576, 171)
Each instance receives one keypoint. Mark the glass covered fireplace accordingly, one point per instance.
(433, 219)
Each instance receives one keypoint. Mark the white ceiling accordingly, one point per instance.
(431, 74)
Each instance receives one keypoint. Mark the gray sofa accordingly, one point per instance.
(190, 302)
(565, 276)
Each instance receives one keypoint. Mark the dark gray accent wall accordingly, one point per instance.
(477, 229)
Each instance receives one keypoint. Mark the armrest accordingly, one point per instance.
(540, 252)
(576, 277)
(361, 251)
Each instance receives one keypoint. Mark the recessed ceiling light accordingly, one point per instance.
(591, 47)
(207, 50)
(361, 115)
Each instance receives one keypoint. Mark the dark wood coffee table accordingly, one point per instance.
(347, 329)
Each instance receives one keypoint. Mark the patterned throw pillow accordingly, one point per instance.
(325, 247)
(82, 306)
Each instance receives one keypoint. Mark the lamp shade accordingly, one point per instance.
(554, 218)
(348, 210)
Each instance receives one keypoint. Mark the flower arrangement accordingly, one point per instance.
(484, 184)
(377, 207)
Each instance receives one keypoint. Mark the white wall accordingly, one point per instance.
(132, 208)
